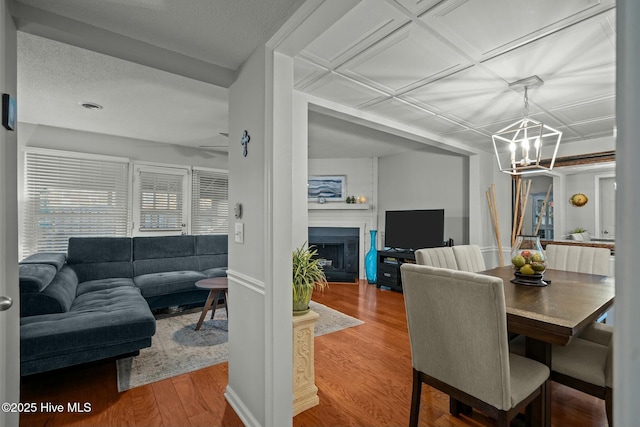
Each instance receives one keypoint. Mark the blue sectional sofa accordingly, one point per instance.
(96, 301)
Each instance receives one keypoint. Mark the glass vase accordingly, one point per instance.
(370, 260)
(528, 260)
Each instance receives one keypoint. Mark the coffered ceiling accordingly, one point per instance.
(441, 67)
(445, 66)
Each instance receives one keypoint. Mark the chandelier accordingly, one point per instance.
(526, 146)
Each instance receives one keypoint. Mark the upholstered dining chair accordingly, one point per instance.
(583, 259)
(585, 364)
(437, 257)
(469, 258)
(458, 333)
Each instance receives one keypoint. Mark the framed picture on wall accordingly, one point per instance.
(330, 188)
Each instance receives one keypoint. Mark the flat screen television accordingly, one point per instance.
(414, 229)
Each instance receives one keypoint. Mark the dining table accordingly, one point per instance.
(552, 314)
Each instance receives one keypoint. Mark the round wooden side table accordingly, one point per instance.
(218, 286)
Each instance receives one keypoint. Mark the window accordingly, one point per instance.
(159, 200)
(209, 202)
(68, 195)
(71, 195)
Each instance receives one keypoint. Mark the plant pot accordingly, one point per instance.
(301, 307)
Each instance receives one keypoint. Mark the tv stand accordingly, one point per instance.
(389, 262)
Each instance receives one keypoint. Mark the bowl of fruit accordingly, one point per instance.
(529, 266)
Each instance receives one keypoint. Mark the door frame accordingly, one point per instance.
(597, 199)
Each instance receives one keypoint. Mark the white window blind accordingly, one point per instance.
(209, 202)
(67, 196)
(161, 201)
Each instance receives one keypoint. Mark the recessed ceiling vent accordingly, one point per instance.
(91, 106)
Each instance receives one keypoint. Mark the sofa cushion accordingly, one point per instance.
(98, 249)
(102, 284)
(212, 244)
(96, 319)
(56, 297)
(212, 261)
(216, 272)
(102, 270)
(161, 265)
(163, 247)
(155, 284)
(51, 258)
(35, 277)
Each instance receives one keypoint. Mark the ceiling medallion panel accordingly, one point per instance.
(534, 20)
(408, 57)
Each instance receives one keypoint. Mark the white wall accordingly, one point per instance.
(260, 349)
(246, 261)
(135, 149)
(484, 174)
(583, 216)
(9, 320)
(426, 180)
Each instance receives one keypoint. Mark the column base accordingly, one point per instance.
(305, 392)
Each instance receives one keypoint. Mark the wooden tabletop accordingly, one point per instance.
(220, 283)
(556, 312)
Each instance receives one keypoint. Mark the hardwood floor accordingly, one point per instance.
(363, 375)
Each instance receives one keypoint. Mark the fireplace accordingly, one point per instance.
(338, 251)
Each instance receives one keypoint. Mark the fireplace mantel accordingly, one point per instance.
(339, 206)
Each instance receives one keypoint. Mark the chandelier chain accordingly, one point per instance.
(526, 102)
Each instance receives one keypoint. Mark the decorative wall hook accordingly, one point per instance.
(245, 143)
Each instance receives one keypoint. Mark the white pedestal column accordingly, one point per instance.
(305, 392)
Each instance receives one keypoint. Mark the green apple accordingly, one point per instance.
(527, 269)
(518, 261)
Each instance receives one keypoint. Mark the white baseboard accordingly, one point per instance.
(241, 409)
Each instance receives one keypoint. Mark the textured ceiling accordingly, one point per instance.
(139, 102)
(219, 32)
(442, 68)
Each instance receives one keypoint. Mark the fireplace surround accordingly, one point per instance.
(339, 249)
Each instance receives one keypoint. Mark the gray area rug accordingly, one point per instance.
(177, 348)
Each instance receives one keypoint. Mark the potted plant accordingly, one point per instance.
(307, 276)
(579, 234)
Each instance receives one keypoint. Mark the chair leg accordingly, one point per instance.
(415, 399)
(502, 420)
(456, 407)
(608, 404)
(534, 412)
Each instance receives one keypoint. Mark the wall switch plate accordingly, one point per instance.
(239, 232)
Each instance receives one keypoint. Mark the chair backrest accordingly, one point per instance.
(437, 257)
(458, 330)
(469, 258)
(583, 259)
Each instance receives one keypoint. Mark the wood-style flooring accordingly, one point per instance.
(363, 375)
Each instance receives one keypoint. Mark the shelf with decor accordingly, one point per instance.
(339, 206)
